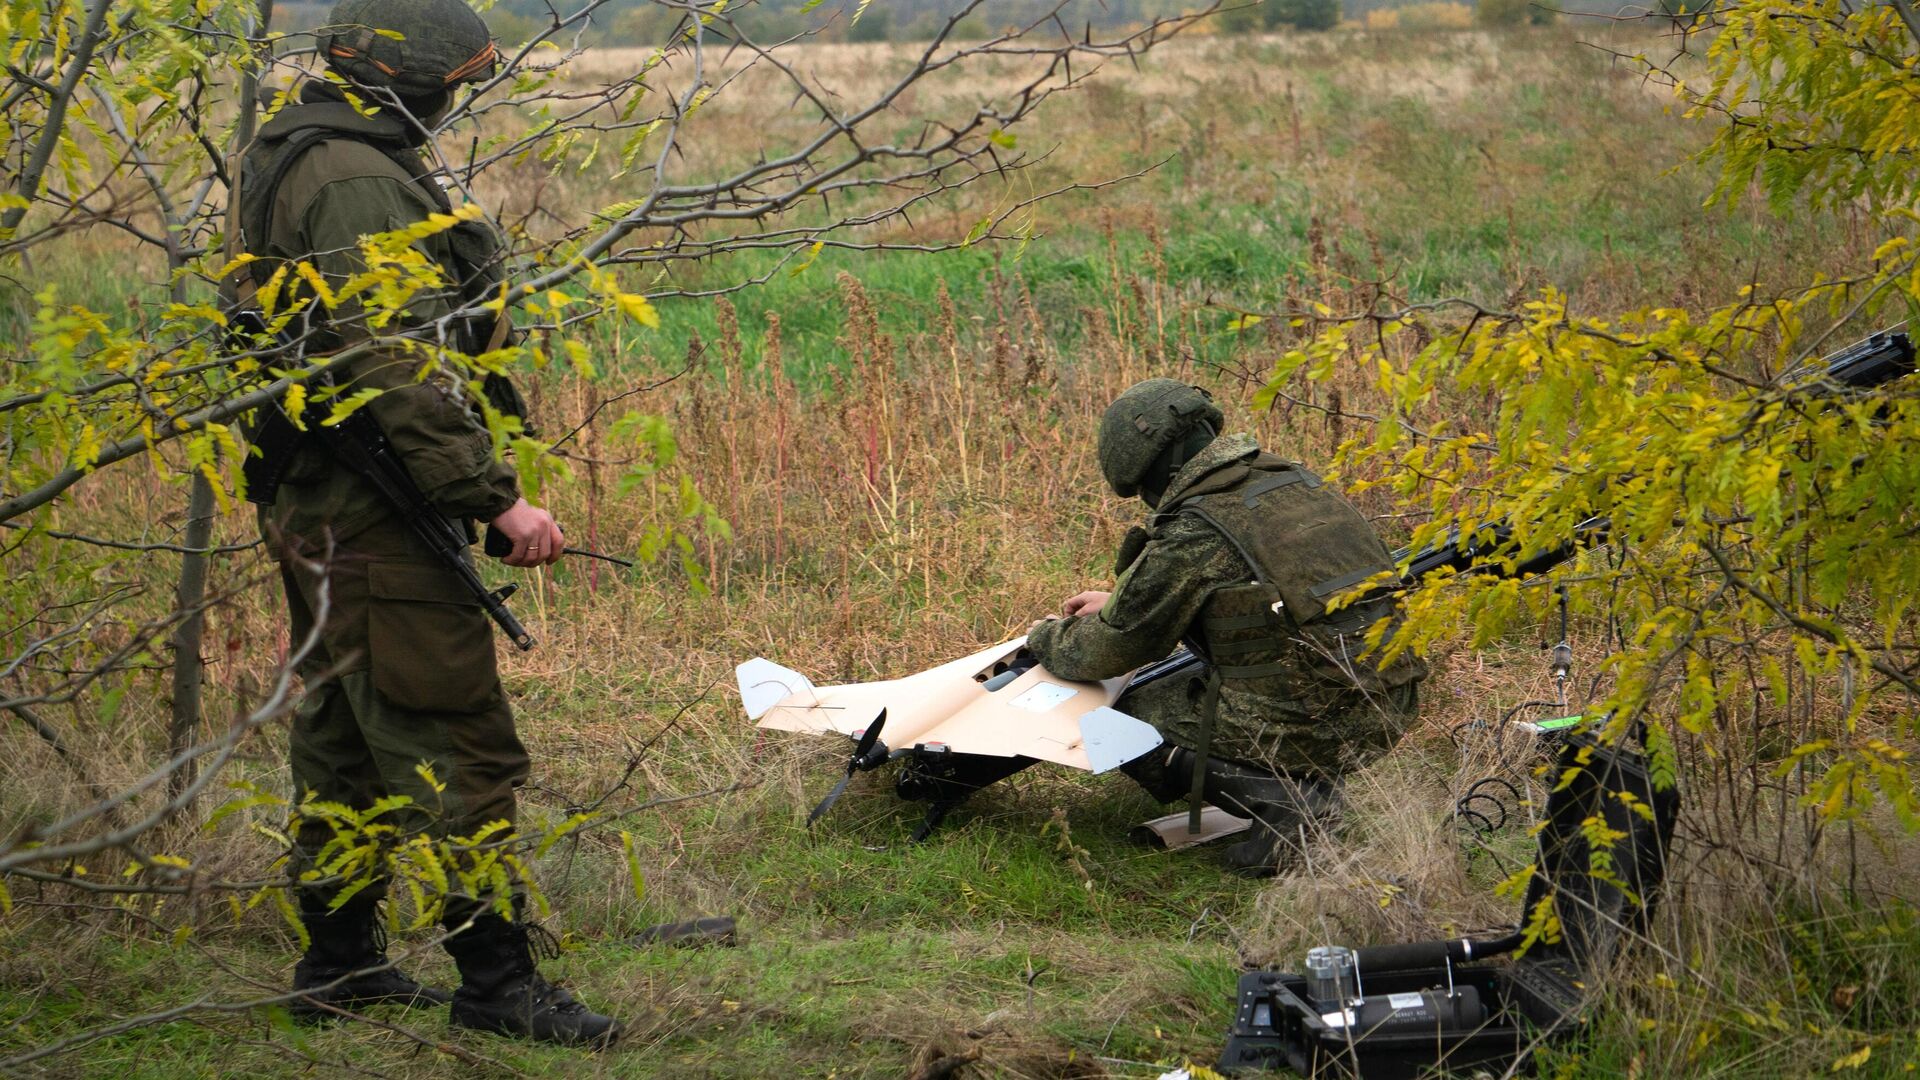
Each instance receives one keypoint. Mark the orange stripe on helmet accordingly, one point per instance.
(482, 59)
(346, 53)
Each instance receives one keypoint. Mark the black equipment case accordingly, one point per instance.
(1417, 1010)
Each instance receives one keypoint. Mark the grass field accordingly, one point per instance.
(903, 448)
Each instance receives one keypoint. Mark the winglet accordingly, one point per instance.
(1111, 738)
(764, 684)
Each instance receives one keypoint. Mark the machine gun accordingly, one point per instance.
(1880, 358)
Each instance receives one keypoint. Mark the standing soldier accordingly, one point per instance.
(1239, 560)
(405, 672)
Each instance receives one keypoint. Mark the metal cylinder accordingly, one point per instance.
(1330, 984)
(1425, 1011)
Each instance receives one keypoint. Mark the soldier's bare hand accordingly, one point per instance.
(536, 540)
(1086, 603)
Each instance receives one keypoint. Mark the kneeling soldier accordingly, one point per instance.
(1241, 556)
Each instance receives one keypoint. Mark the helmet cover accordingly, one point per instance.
(1143, 422)
(411, 47)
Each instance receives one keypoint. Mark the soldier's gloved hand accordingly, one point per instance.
(536, 540)
(1086, 603)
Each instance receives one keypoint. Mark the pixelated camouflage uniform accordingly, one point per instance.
(1309, 716)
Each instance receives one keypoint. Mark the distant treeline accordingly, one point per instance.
(642, 22)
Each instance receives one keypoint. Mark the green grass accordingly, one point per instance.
(857, 949)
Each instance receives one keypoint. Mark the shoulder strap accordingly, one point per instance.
(250, 210)
(262, 190)
(1260, 574)
(300, 128)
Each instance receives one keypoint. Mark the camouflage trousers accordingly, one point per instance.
(403, 677)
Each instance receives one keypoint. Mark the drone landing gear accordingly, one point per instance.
(943, 779)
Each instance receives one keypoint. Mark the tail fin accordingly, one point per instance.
(764, 684)
(1112, 738)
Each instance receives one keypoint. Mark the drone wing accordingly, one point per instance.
(969, 705)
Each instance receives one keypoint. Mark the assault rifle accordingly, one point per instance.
(1880, 358)
(359, 443)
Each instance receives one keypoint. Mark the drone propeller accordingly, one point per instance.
(864, 757)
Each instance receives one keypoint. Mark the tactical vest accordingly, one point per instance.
(1306, 545)
(477, 250)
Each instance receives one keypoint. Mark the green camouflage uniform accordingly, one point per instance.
(1174, 576)
(405, 673)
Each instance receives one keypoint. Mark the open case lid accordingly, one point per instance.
(1603, 802)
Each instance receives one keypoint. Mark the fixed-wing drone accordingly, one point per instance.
(956, 728)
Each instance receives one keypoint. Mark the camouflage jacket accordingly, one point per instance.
(332, 195)
(1170, 571)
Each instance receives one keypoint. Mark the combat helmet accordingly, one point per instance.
(415, 48)
(1147, 427)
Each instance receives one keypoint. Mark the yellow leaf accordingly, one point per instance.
(426, 773)
(295, 404)
(813, 253)
(635, 307)
(633, 865)
(1854, 1060)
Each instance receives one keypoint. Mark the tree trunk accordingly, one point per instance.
(189, 673)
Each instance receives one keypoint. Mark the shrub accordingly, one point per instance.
(1304, 14)
(1244, 19)
(1499, 13)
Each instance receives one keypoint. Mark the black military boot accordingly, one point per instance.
(1286, 812)
(341, 943)
(1165, 772)
(500, 990)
